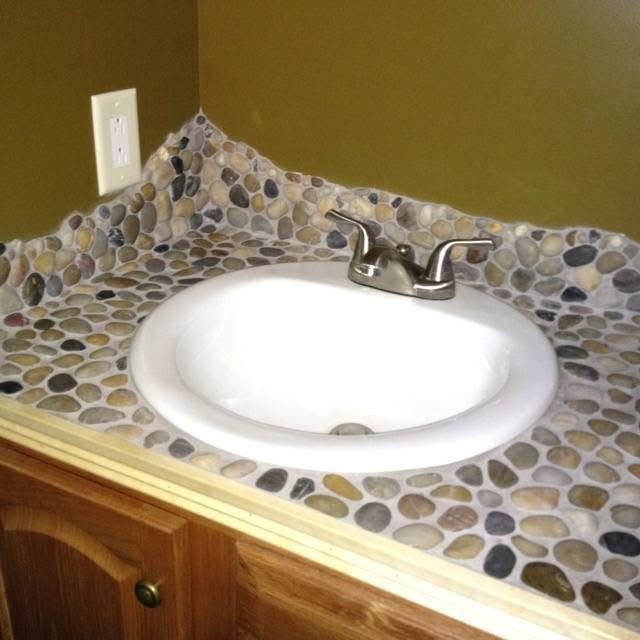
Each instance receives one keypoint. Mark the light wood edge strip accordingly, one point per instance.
(488, 604)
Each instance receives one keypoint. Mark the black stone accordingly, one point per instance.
(627, 281)
(177, 164)
(115, 237)
(396, 202)
(271, 188)
(272, 480)
(573, 294)
(373, 198)
(177, 187)
(10, 386)
(209, 261)
(621, 543)
(581, 371)
(61, 382)
(33, 289)
(271, 252)
(43, 324)
(105, 294)
(335, 240)
(571, 352)
(214, 214)
(104, 212)
(229, 176)
(538, 234)
(376, 228)
(121, 363)
(302, 488)
(594, 235)
(499, 524)
(180, 448)
(72, 345)
(189, 281)
(499, 562)
(193, 184)
(549, 316)
(255, 261)
(161, 248)
(239, 196)
(578, 256)
(184, 141)
(3, 248)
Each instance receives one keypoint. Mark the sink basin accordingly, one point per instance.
(267, 362)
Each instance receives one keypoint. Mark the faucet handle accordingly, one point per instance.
(439, 267)
(366, 237)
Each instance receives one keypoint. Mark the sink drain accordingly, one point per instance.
(351, 429)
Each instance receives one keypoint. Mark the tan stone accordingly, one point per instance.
(340, 485)
(465, 547)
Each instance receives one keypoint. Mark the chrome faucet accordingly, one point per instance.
(393, 268)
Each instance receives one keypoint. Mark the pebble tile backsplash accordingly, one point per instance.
(556, 511)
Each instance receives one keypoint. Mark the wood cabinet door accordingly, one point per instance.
(283, 596)
(71, 552)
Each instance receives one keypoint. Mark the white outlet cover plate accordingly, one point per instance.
(116, 138)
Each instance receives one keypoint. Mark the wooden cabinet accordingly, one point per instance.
(72, 549)
(71, 552)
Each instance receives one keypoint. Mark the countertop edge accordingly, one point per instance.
(452, 590)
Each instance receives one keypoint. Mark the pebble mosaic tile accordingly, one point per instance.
(556, 511)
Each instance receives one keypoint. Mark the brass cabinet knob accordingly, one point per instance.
(148, 594)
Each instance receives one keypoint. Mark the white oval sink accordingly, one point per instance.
(265, 362)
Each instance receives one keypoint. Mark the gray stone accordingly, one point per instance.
(373, 516)
(470, 474)
(527, 251)
(522, 279)
(627, 281)
(522, 455)
(498, 523)
(381, 487)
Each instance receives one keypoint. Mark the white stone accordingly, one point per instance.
(9, 300)
(582, 522)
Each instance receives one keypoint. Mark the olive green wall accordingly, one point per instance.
(54, 54)
(519, 109)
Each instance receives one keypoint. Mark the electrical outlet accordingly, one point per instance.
(116, 138)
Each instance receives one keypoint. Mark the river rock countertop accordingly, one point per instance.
(556, 510)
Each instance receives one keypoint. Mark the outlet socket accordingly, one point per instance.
(116, 139)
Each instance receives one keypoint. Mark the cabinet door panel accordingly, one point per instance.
(55, 574)
(52, 520)
(282, 596)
